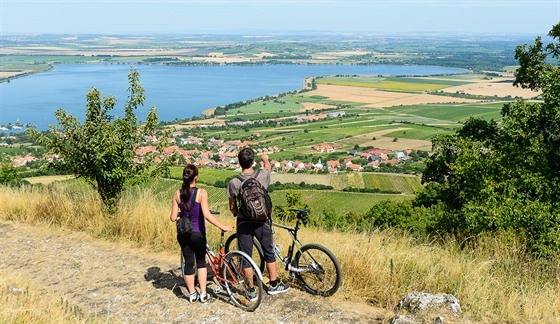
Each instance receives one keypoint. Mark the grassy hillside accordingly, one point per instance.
(379, 267)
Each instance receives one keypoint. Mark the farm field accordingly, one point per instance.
(48, 179)
(395, 127)
(318, 200)
(406, 184)
(385, 112)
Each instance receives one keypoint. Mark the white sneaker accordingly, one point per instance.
(193, 297)
(206, 297)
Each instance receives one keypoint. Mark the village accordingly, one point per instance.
(223, 154)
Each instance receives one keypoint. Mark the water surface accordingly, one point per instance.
(178, 92)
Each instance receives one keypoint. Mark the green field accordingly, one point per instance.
(339, 202)
(451, 112)
(206, 175)
(318, 200)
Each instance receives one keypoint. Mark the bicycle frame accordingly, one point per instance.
(313, 265)
(296, 243)
(216, 263)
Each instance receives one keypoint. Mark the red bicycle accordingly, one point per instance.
(245, 293)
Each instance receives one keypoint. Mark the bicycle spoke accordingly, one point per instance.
(243, 285)
(257, 254)
(322, 275)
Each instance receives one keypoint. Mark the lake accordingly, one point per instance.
(178, 92)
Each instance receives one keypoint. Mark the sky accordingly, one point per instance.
(532, 17)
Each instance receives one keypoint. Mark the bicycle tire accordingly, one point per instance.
(257, 255)
(322, 275)
(237, 285)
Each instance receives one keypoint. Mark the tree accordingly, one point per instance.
(102, 149)
(489, 177)
(8, 172)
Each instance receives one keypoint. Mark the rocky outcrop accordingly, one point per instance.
(416, 304)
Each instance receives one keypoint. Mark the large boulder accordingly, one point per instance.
(421, 306)
(416, 302)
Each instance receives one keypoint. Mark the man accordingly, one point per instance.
(246, 229)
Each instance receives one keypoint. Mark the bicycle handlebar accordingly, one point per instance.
(301, 214)
(300, 210)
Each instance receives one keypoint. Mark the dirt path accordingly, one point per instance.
(127, 285)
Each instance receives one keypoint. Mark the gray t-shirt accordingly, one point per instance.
(234, 185)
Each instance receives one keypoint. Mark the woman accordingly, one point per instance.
(193, 245)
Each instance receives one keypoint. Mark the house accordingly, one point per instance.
(400, 155)
(323, 147)
(337, 114)
(354, 167)
(333, 165)
(145, 150)
(22, 160)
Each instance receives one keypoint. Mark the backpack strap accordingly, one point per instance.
(243, 180)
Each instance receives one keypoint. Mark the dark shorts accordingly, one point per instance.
(193, 247)
(246, 230)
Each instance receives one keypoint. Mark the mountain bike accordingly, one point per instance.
(313, 265)
(228, 274)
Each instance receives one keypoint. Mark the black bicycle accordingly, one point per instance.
(313, 265)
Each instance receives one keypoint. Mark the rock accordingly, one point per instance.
(416, 302)
(438, 320)
(402, 319)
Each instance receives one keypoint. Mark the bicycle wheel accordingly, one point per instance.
(319, 272)
(238, 286)
(257, 255)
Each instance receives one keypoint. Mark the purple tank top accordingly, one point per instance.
(199, 225)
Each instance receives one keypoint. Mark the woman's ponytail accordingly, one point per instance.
(189, 174)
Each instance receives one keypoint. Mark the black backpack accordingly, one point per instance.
(254, 201)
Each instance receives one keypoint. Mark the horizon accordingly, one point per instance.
(229, 17)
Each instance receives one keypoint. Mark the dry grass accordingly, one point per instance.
(492, 281)
(26, 302)
(497, 86)
(376, 98)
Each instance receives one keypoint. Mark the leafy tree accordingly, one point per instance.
(293, 201)
(102, 149)
(489, 177)
(8, 172)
